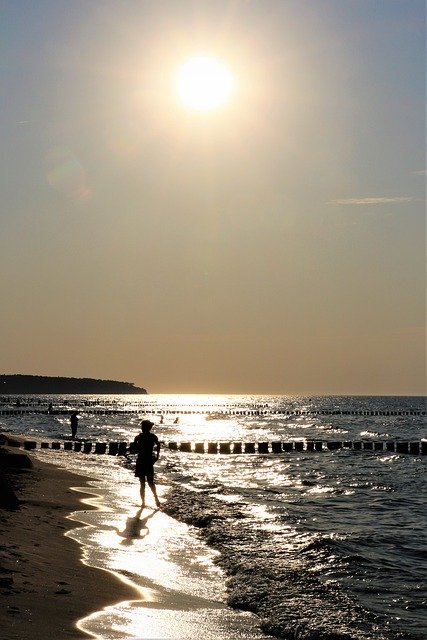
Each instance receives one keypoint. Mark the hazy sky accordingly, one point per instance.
(273, 245)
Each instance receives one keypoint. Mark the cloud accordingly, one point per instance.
(422, 172)
(375, 201)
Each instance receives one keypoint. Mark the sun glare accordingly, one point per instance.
(204, 83)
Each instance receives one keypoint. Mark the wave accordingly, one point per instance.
(274, 580)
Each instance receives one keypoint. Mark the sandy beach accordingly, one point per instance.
(44, 585)
(49, 592)
(242, 546)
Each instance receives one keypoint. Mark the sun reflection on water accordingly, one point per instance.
(178, 588)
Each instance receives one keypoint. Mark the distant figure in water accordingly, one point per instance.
(176, 421)
(74, 421)
(148, 449)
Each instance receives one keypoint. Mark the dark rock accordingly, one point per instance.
(8, 499)
(14, 459)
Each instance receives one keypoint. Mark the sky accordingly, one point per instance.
(272, 245)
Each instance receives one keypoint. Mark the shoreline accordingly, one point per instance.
(45, 586)
(50, 587)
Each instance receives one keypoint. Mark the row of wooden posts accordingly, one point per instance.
(279, 447)
(225, 413)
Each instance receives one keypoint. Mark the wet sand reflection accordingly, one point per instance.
(136, 527)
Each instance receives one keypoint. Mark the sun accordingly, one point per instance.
(204, 83)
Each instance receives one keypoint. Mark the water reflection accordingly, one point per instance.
(135, 527)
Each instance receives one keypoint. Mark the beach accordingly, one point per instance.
(45, 586)
(305, 543)
(51, 589)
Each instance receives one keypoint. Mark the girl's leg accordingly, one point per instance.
(142, 491)
(153, 489)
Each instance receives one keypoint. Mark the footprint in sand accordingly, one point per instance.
(13, 610)
(6, 582)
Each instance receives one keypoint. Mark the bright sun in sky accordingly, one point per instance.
(204, 83)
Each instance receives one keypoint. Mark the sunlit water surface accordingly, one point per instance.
(330, 542)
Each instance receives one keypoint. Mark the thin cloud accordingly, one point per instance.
(422, 172)
(375, 201)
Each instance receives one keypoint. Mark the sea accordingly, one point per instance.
(304, 544)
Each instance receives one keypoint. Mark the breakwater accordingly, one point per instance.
(27, 410)
(227, 448)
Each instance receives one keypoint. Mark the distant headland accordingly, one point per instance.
(23, 384)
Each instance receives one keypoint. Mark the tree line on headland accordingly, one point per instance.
(25, 384)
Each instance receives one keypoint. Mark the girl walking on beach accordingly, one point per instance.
(148, 449)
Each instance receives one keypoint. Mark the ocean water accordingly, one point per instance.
(304, 545)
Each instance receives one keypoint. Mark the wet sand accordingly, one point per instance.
(168, 589)
(44, 585)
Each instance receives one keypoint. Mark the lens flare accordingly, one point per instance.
(65, 173)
